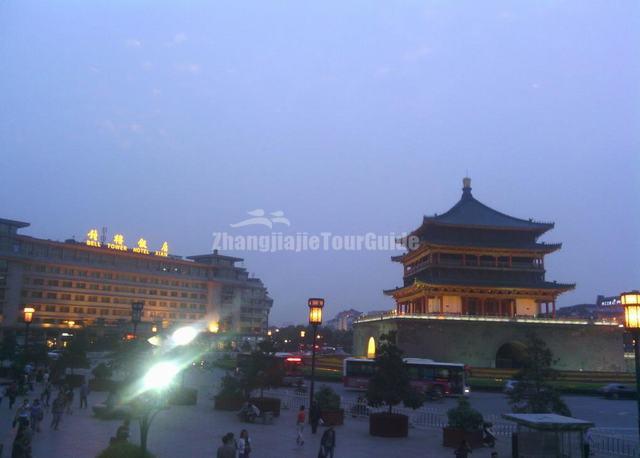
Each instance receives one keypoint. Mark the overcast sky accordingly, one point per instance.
(171, 120)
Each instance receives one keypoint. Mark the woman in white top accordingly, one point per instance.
(244, 444)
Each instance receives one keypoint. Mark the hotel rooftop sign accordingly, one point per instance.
(118, 244)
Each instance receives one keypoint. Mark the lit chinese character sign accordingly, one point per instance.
(92, 238)
(118, 243)
(142, 247)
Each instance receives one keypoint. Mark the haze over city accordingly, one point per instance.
(171, 122)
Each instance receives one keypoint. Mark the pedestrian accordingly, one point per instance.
(68, 394)
(23, 412)
(244, 444)
(122, 433)
(300, 419)
(84, 392)
(228, 448)
(45, 377)
(12, 394)
(57, 409)
(37, 414)
(314, 416)
(46, 395)
(463, 450)
(588, 439)
(328, 443)
(22, 443)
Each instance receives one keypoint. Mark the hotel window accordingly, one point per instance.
(64, 309)
(52, 283)
(104, 311)
(66, 284)
(182, 316)
(194, 296)
(172, 315)
(37, 294)
(79, 297)
(65, 297)
(173, 305)
(95, 274)
(108, 276)
(202, 307)
(163, 293)
(81, 285)
(78, 310)
(94, 286)
(91, 311)
(49, 308)
(38, 281)
(82, 273)
(184, 295)
(105, 299)
(51, 295)
(183, 306)
(174, 294)
(40, 268)
(192, 306)
(92, 298)
(163, 304)
(152, 303)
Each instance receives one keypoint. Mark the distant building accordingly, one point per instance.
(343, 321)
(605, 308)
(92, 284)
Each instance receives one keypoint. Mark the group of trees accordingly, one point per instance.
(288, 338)
(534, 392)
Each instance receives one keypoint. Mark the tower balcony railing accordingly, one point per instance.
(393, 314)
(484, 264)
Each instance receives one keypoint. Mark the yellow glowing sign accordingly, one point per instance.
(118, 243)
(92, 238)
(142, 247)
(163, 251)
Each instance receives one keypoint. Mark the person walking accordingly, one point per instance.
(22, 443)
(37, 414)
(314, 416)
(244, 444)
(23, 412)
(228, 448)
(57, 409)
(45, 397)
(68, 394)
(463, 450)
(84, 392)
(300, 419)
(12, 394)
(328, 443)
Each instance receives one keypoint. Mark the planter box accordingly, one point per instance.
(229, 404)
(100, 385)
(453, 437)
(267, 405)
(184, 396)
(388, 425)
(332, 417)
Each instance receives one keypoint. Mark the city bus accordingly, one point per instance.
(428, 376)
(286, 367)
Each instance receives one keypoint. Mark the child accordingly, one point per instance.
(300, 425)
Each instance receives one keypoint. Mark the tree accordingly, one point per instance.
(259, 371)
(534, 393)
(390, 383)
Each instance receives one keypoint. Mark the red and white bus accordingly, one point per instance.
(428, 376)
(288, 366)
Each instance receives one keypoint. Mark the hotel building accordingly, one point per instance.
(93, 283)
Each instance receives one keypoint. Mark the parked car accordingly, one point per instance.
(617, 390)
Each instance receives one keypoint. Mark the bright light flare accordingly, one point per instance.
(184, 335)
(160, 375)
(156, 341)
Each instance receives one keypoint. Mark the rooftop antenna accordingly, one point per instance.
(103, 235)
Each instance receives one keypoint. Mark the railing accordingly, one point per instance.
(613, 445)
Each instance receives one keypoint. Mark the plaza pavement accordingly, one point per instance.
(196, 431)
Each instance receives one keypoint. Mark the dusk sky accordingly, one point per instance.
(172, 120)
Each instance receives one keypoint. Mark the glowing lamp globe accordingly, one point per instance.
(631, 303)
(184, 335)
(160, 375)
(315, 310)
(27, 314)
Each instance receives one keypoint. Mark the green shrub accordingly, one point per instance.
(464, 417)
(230, 388)
(124, 450)
(327, 398)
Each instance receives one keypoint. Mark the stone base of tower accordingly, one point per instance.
(483, 342)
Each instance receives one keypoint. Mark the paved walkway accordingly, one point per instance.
(196, 431)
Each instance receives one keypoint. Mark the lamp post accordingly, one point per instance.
(27, 316)
(631, 303)
(136, 316)
(315, 319)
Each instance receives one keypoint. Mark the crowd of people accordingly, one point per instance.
(31, 412)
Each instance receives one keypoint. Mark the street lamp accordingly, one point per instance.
(136, 315)
(631, 303)
(27, 316)
(315, 319)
